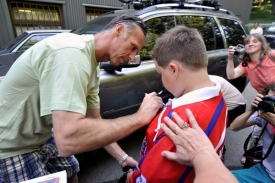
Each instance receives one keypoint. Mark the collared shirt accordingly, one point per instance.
(258, 30)
(57, 73)
(208, 107)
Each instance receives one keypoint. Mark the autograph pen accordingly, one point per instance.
(158, 94)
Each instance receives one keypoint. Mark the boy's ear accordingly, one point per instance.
(174, 69)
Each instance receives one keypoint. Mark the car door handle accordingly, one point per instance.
(223, 61)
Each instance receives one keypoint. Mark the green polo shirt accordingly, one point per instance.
(58, 73)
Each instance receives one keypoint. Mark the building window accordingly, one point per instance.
(93, 12)
(35, 16)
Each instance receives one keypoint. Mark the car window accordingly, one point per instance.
(10, 45)
(156, 27)
(33, 40)
(93, 26)
(234, 34)
(208, 29)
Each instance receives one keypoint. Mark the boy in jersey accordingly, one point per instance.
(181, 60)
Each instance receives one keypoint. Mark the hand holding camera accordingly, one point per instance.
(267, 105)
(264, 103)
(235, 51)
(239, 49)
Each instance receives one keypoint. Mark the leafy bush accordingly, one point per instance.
(261, 14)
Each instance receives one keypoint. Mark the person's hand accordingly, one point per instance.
(268, 116)
(131, 162)
(189, 141)
(149, 107)
(129, 174)
(231, 51)
(256, 101)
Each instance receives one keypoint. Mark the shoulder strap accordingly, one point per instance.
(270, 55)
(270, 147)
(257, 140)
(246, 142)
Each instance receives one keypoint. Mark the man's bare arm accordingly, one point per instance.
(113, 149)
(74, 133)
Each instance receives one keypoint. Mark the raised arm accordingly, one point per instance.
(243, 121)
(231, 71)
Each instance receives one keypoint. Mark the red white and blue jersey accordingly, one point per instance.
(209, 109)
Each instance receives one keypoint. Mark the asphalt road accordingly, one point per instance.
(101, 167)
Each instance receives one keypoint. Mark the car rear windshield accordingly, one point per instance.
(270, 30)
(6, 48)
(93, 26)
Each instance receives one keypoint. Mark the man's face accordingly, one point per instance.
(256, 25)
(124, 48)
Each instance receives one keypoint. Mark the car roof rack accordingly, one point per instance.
(152, 5)
(186, 6)
(140, 4)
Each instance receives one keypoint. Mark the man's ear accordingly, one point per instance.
(119, 29)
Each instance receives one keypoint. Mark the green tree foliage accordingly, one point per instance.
(264, 2)
(260, 2)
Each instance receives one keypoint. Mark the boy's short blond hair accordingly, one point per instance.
(182, 44)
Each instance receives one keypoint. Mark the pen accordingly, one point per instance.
(159, 93)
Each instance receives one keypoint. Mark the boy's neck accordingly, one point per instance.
(197, 80)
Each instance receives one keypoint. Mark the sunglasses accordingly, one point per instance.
(140, 23)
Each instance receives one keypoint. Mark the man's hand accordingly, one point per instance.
(149, 107)
(131, 162)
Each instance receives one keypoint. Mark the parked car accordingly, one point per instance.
(122, 89)
(269, 34)
(12, 50)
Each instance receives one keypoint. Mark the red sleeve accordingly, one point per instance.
(244, 69)
(272, 55)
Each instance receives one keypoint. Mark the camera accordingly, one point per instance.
(267, 105)
(239, 49)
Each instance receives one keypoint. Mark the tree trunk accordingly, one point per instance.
(273, 7)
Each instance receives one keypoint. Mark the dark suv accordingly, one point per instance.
(122, 89)
(269, 34)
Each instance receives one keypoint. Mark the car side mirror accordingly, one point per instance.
(108, 66)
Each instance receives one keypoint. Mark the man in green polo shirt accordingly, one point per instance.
(53, 87)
